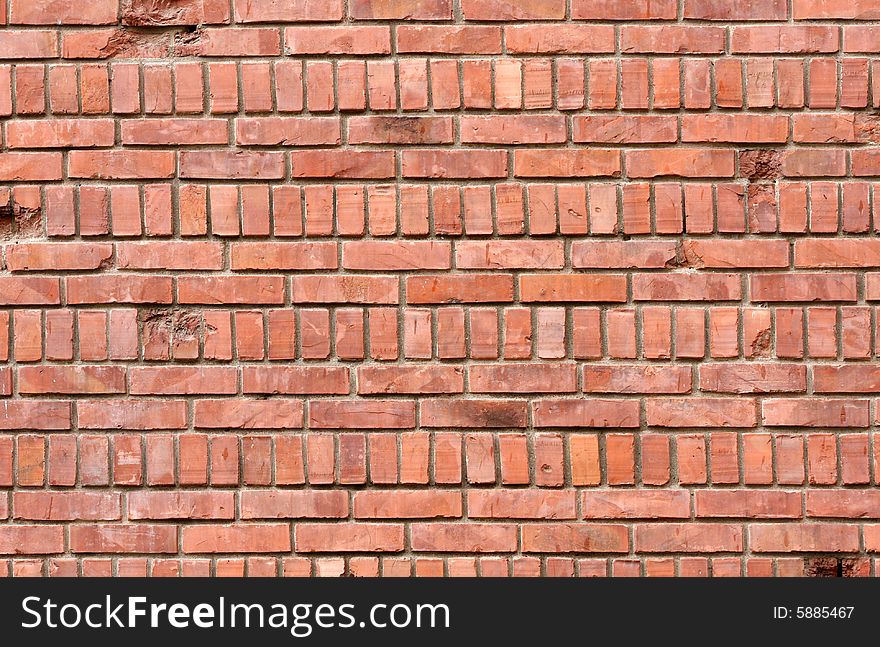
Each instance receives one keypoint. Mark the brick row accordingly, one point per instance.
(513, 333)
(391, 504)
(498, 129)
(564, 83)
(452, 566)
(479, 458)
(191, 12)
(462, 164)
(556, 537)
(506, 209)
(489, 39)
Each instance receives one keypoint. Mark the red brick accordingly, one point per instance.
(821, 252)
(131, 414)
(287, 504)
(523, 378)
(252, 538)
(848, 504)
(401, 10)
(586, 413)
(715, 10)
(287, 255)
(342, 164)
(176, 255)
(860, 38)
(400, 130)
(786, 538)
(512, 129)
(472, 413)
(512, 10)
(293, 11)
(74, 380)
(784, 39)
(241, 165)
(690, 162)
(463, 537)
(349, 537)
(31, 540)
(230, 42)
(623, 10)
(550, 287)
(38, 257)
(734, 253)
(752, 504)
(627, 129)
(50, 12)
(117, 288)
(395, 256)
(181, 505)
(835, 9)
(701, 412)
(650, 504)
(378, 380)
(671, 39)
(60, 133)
(574, 538)
(686, 287)
(752, 378)
(845, 379)
(599, 378)
(67, 506)
(30, 167)
(521, 504)
(183, 380)
(123, 538)
(170, 132)
(814, 412)
(348, 41)
(369, 414)
(448, 39)
(121, 165)
(537, 162)
(688, 538)
(28, 44)
(804, 287)
(734, 128)
(184, 12)
(290, 380)
(459, 289)
(249, 414)
(406, 504)
(454, 164)
(230, 289)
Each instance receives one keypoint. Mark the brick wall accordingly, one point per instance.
(439, 287)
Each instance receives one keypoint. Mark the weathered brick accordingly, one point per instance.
(425, 287)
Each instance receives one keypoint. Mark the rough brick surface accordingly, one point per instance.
(459, 287)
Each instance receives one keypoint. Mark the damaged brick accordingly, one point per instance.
(762, 208)
(132, 43)
(153, 13)
(181, 324)
(19, 221)
(685, 258)
(168, 332)
(760, 164)
(834, 567)
(188, 43)
(762, 344)
(867, 128)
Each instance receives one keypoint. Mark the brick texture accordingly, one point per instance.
(439, 287)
